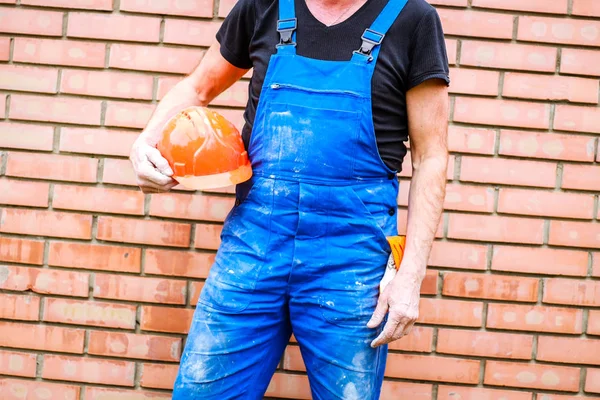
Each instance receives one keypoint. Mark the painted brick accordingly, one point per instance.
(208, 236)
(188, 8)
(471, 140)
(23, 193)
(534, 318)
(450, 312)
(143, 231)
(476, 23)
(97, 141)
(59, 52)
(568, 350)
(471, 393)
(458, 255)
(45, 223)
(104, 5)
(484, 344)
(539, 261)
(52, 166)
(156, 59)
(495, 287)
(24, 251)
(97, 393)
(17, 363)
(30, 22)
(541, 6)
(90, 370)
(508, 171)
(532, 376)
(469, 198)
(98, 199)
(178, 263)
(580, 62)
(107, 84)
(28, 79)
(26, 136)
(20, 307)
(559, 30)
(473, 81)
(577, 119)
(158, 376)
(148, 347)
(95, 257)
(586, 8)
(41, 337)
(419, 339)
(44, 281)
(555, 88)
(495, 228)
(542, 203)
(187, 206)
(501, 112)
(508, 56)
(431, 368)
(92, 313)
(582, 177)
(118, 172)
(166, 319)
(55, 109)
(543, 145)
(113, 27)
(572, 292)
(17, 389)
(190, 32)
(592, 382)
(133, 288)
(129, 115)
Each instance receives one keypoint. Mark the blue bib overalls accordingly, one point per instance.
(304, 248)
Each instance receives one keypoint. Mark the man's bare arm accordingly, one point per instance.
(211, 77)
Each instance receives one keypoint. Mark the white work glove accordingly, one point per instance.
(152, 170)
(390, 273)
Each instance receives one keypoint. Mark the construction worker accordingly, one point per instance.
(337, 87)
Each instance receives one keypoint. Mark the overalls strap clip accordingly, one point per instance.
(286, 28)
(370, 39)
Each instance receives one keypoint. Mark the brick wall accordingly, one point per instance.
(98, 282)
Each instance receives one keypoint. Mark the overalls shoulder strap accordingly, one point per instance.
(286, 26)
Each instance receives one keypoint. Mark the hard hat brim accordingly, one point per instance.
(216, 181)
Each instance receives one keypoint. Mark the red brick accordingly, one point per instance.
(592, 382)
(469, 198)
(41, 337)
(97, 141)
(4, 48)
(292, 359)
(52, 166)
(55, 109)
(557, 397)
(580, 62)
(24, 251)
(473, 81)
(188, 206)
(31, 22)
(476, 23)
(44, 281)
(118, 172)
(96, 257)
(572, 292)
(195, 289)
(419, 340)
(456, 3)
(28, 79)
(98, 199)
(234, 96)
(59, 52)
(178, 263)
(596, 265)
(35, 390)
(26, 136)
(593, 327)
(105, 5)
(458, 255)
(161, 233)
(502, 112)
(484, 344)
(90, 370)
(107, 84)
(18, 306)
(539, 261)
(495, 287)
(208, 236)
(188, 8)
(533, 376)
(542, 203)
(23, 193)
(508, 171)
(576, 234)
(407, 167)
(113, 27)
(156, 59)
(472, 393)
(92, 313)
(158, 376)
(3, 106)
(17, 363)
(137, 289)
(587, 8)
(96, 393)
(165, 84)
(463, 139)
(568, 350)
(430, 282)
(559, 30)
(543, 145)
(129, 345)
(289, 387)
(556, 88)
(166, 319)
(450, 312)
(577, 119)
(225, 7)
(451, 50)
(508, 56)
(534, 318)
(190, 32)
(129, 115)
(583, 177)
(405, 390)
(431, 368)
(541, 6)
(496, 228)
(45, 223)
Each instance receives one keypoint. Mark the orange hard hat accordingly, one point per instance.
(204, 150)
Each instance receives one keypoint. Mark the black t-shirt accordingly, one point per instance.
(412, 51)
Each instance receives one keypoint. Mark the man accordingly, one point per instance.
(304, 248)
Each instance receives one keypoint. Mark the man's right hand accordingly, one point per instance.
(152, 170)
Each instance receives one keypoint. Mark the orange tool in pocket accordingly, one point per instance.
(397, 244)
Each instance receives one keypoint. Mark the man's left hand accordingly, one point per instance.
(401, 299)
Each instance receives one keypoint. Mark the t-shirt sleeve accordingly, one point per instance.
(236, 32)
(429, 59)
